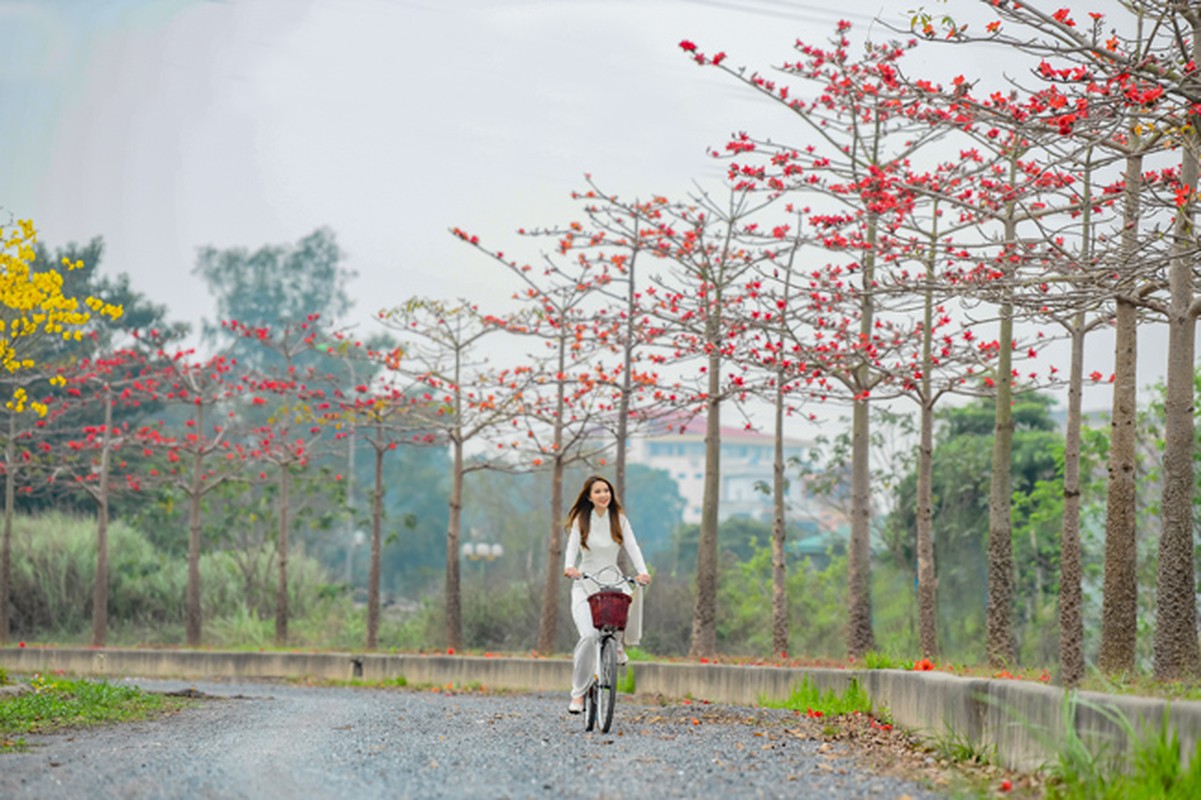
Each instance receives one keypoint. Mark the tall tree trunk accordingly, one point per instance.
(704, 615)
(100, 588)
(351, 438)
(779, 577)
(999, 619)
(454, 604)
(1176, 649)
(281, 586)
(627, 385)
(1071, 616)
(1071, 612)
(192, 610)
(860, 639)
(7, 542)
(927, 581)
(377, 546)
(548, 622)
(1119, 606)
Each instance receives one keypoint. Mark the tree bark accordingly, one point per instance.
(454, 606)
(377, 546)
(1119, 606)
(704, 615)
(1071, 617)
(999, 618)
(1176, 649)
(927, 581)
(860, 639)
(7, 541)
(192, 610)
(281, 586)
(548, 622)
(627, 384)
(779, 577)
(100, 588)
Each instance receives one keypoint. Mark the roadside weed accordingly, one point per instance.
(953, 746)
(874, 660)
(626, 682)
(1149, 768)
(807, 697)
(58, 703)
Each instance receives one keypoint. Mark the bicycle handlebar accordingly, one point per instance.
(630, 579)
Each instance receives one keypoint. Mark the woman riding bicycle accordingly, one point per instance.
(598, 532)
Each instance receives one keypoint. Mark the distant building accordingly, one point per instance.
(746, 460)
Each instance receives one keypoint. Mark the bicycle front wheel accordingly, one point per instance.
(590, 707)
(606, 685)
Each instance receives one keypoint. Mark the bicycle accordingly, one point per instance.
(610, 606)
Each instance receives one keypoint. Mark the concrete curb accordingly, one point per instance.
(1019, 723)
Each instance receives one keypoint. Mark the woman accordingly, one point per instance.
(598, 531)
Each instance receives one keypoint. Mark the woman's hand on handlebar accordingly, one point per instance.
(571, 572)
(643, 579)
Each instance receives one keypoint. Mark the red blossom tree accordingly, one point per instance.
(471, 404)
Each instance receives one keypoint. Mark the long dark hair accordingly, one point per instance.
(581, 511)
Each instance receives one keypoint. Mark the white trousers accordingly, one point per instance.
(585, 653)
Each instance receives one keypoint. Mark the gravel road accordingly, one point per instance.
(277, 740)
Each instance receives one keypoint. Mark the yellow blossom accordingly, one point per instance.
(32, 305)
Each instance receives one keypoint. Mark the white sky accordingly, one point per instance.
(167, 125)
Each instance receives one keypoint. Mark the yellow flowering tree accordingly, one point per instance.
(34, 312)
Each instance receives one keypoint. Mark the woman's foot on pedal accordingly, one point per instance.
(576, 706)
(622, 658)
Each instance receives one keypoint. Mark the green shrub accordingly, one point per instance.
(54, 568)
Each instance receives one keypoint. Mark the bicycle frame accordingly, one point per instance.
(602, 693)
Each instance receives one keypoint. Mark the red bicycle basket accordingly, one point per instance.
(609, 609)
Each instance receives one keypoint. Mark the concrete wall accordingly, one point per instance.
(1020, 722)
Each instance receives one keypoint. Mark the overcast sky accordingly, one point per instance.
(167, 125)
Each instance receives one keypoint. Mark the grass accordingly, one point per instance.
(1141, 685)
(809, 698)
(874, 660)
(625, 681)
(57, 703)
(960, 749)
(1151, 770)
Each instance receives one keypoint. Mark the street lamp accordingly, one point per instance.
(482, 551)
(475, 550)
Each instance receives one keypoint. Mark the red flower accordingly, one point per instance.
(688, 46)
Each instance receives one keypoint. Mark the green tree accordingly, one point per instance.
(274, 287)
(655, 507)
(142, 319)
(962, 474)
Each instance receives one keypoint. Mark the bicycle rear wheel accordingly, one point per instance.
(590, 707)
(606, 685)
